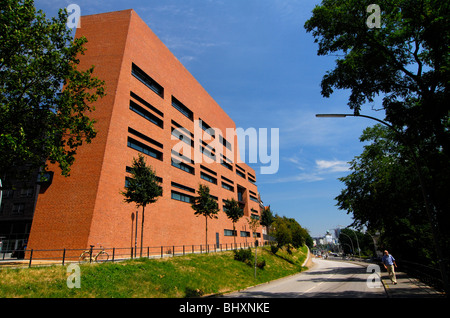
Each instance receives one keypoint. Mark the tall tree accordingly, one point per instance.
(143, 188)
(234, 212)
(383, 194)
(267, 219)
(44, 99)
(405, 61)
(206, 206)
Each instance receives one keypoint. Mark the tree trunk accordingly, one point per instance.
(142, 230)
(234, 236)
(206, 237)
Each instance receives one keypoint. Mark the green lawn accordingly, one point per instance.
(176, 277)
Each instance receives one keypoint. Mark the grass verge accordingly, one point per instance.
(177, 277)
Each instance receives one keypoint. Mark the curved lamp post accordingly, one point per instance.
(431, 219)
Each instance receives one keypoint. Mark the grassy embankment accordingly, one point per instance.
(176, 277)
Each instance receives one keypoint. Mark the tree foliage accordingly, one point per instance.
(383, 193)
(267, 219)
(206, 206)
(143, 186)
(287, 231)
(44, 97)
(234, 212)
(406, 62)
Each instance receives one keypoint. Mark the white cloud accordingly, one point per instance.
(325, 166)
(318, 172)
(302, 177)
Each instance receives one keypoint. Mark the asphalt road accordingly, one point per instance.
(327, 278)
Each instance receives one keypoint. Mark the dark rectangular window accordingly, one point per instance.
(229, 233)
(225, 142)
(240, 174)
(146, 114)
(183, 187)
(254, 198)
(139, 146)
(208, 170)
(207, 153)
(183, 129)
(227, 186)
(182, 197)
(207, 128)
(180, 157)
(240, 168)
(147, 80)
(18, 208)
(208, 178)
(245, 234)
(226, 164)
(183, 166)
(179, 134)
(146, 104)
(182, 109)
(146, 138)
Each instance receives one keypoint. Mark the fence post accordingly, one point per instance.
(173, 251)
(161, 251)
(183, 251)
(31, 257)
(64, 257)
(114, 252)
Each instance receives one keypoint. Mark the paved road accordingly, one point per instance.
(326, 278)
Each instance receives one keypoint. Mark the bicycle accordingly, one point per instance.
(87, 256)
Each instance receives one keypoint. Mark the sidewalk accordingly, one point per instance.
(407, 287)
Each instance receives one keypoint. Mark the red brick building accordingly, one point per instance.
(150, 97)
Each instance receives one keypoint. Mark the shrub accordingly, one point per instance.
(243, 255)
(261, 264)
(274, 249)
(193, 292)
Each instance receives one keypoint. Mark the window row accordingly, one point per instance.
(148, 81)
(242, 233)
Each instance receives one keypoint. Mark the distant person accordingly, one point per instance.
(389, 263)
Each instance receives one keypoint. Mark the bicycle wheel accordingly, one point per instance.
(102, 257)
(84, 257)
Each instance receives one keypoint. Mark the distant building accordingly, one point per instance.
(18, 199)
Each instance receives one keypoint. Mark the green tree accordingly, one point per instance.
(382, 193)
(281, 232)
(44, 99)
(405, 62)
(287, 231)
(253, 224)
(234, 212)
(267, 219)
(143, 188)
(206, 206)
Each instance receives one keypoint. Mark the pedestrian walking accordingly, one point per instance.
(389, 263)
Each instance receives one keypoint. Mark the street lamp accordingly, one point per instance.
(353, 248)
(431, 219)
(357, 242)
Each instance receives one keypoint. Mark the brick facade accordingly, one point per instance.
(87, 207)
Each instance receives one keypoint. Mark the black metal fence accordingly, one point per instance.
(426, 274)
(35, 257)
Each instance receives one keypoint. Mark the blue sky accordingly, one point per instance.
(256, 60)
